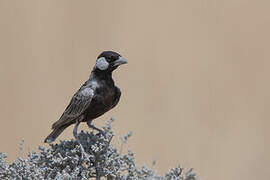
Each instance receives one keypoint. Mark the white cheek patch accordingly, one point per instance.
(102, 64)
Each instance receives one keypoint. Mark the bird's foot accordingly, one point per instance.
(84, 154)
(97, 129)
(101, 132)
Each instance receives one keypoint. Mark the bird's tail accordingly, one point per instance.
(56, 132)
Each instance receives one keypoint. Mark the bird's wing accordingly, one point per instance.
(78, 104)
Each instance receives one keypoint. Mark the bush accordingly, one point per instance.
(65, 161)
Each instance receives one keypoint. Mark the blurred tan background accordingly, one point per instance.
(195, 91)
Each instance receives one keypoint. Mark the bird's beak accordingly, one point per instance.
(120, 61)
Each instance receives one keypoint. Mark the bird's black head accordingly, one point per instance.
(108, 61)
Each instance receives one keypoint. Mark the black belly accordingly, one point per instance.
(100, 104)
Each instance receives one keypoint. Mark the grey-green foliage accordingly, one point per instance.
(64, 161)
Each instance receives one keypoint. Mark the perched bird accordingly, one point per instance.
(95, 97)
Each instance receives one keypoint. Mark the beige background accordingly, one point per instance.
(195, 91)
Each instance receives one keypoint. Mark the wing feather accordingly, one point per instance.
(78, 104)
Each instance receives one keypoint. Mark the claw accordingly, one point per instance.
(84, 155)
(101, 132)
(89, 123)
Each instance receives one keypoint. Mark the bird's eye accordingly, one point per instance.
(111, 58)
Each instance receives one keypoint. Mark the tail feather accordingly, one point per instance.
(53, 135)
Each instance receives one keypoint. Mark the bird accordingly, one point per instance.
(95, 97)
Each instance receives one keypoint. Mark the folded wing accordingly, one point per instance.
(78, 104)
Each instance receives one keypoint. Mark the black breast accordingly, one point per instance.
(105, 98)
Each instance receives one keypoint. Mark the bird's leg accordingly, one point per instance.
(77, 139)
(90, 125)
